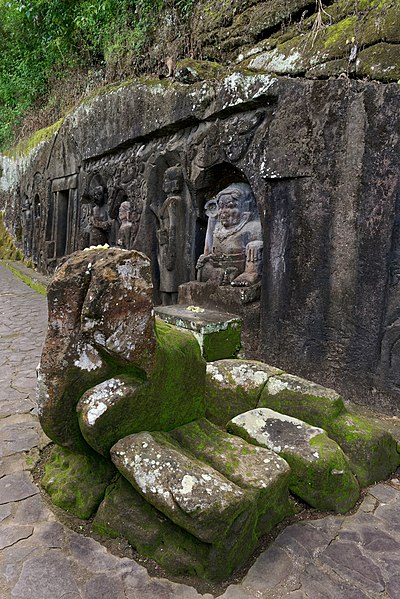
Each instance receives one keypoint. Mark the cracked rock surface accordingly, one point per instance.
(355, 556)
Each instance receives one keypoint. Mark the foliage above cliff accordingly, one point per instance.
(43, 41)
(55, 52)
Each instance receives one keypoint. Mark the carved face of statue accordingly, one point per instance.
(172, 180)
(230, 210)
(98, 196)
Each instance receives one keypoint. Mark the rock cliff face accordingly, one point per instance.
(320, 153)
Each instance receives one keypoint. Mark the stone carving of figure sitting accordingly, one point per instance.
(99, 222)
(233, 248)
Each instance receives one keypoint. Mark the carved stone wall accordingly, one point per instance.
(322, 159)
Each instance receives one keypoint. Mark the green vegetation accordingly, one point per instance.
(42, 42)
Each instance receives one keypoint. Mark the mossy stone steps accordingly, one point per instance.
(321, 474)
(192, 495)
(233, 387)
(250, 467)
(372, 450)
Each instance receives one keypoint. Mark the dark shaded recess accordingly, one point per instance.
(294, 17)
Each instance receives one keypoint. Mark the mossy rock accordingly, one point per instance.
(192, 495)
(192, 71)
(75, 482)
(297, 397)
(380, 62)
(124, 513)
(250, 467)
(371, 450)
(233, 387)
(320, 472)
(8, 249)
(172, 395)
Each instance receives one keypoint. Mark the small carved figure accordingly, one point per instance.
(27, 227)
(128, 229)
(170, 236)
(233, 247)
(100, 224)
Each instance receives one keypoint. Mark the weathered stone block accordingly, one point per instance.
(321, 474)
(234, 386)
(248, 466)
(301, 399)
(193, 495)
(372, 451)
(124, 513)
(100, 324)
(190, 493)
(172, 395)
(77, 483)
(218, 333)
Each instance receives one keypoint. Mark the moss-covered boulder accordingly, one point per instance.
(192, 495)
(100, 325)
(234, 386)
(372, 451)
(297, 397)
(250, 467)
(320, 471)
(124, 513)
(173, 394)
(75, 482)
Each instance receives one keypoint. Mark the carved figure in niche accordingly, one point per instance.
(233, 247)
(127, 230)
(27, 227)
(170, 236)
(99, 222)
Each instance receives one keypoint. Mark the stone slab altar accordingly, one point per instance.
(218, 333)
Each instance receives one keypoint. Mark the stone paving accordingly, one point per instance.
(335, 557)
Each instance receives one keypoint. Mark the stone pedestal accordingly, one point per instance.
(242, 301)
(218, 333)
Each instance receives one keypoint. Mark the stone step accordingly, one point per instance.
(234, 386)
(248, 466)
(321, 473)
(372, 450)
(193, 496)
(218, 333)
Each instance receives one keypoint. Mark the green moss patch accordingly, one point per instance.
(372, 451)
(172, 395)
(77, 483)
(297, 397)
(8, 250)
(248, 466)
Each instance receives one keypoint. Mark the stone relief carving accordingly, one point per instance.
(233, 246)
(170, 235)
(99, 221)
(27, 226)
(127, 230)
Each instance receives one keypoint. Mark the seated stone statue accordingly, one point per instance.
(233, 248)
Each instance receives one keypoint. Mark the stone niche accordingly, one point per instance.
(322, 163)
